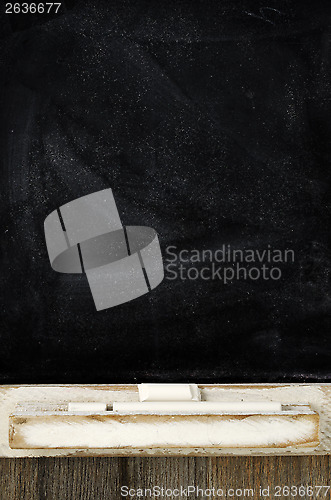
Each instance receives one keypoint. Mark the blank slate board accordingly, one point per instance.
(210, 122)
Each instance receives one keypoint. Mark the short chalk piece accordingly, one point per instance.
(169, 392)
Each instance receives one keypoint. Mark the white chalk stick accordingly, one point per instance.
(169, 392)
(192, 407)
(88, 407)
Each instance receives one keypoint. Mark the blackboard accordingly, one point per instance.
(209, 121)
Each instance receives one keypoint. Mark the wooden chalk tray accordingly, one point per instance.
(49, 421)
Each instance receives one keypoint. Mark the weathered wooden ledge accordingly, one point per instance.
(35, 421)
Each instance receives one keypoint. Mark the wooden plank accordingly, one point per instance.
(102, 478)
(62, 430)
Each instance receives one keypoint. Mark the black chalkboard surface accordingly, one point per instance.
(209, 122)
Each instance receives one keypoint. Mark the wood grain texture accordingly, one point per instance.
(102, 478)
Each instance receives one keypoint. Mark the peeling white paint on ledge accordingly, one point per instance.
(101, 432)
(46, 396)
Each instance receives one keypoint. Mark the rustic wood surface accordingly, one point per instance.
(101, 478)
